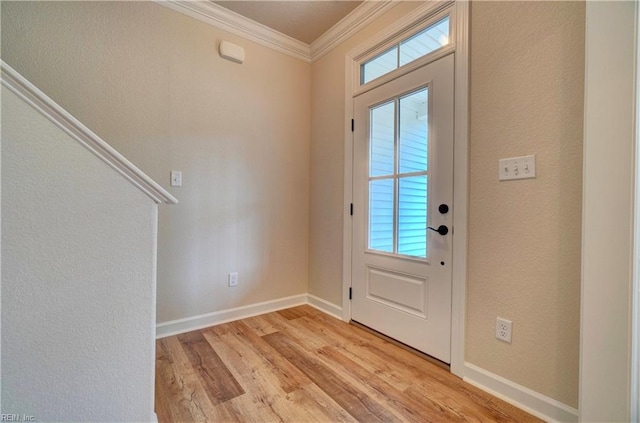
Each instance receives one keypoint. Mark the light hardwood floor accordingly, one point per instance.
(301, 365)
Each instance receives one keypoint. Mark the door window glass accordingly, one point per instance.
(412, 216)
(398, 172)
(382, 140)
(381, 215)
(413, 132)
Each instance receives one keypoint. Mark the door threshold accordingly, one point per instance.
(405, 347)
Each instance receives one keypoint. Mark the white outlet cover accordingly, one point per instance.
(523, 167)
(503, 329)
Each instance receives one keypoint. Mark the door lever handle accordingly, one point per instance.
(442, 230)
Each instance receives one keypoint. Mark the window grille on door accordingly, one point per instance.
(398, 175)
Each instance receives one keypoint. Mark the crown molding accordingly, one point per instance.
(31, 95)
(359, 17)
(215, 15)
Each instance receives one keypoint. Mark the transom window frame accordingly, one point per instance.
(406, 51)
(446, 9)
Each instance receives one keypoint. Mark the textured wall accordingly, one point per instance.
(327, 160)
(78, 287)
(527, 78)
(149, 81)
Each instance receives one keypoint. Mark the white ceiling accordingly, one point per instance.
(303, 20)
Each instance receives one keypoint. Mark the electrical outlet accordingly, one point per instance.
(503, 329)
(233, 279)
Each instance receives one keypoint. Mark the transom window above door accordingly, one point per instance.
(413, 47)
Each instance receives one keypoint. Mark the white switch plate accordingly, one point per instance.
(233, 279)
(176, 178)
(517, 168)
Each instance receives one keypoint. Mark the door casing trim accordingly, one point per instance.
(460, 14)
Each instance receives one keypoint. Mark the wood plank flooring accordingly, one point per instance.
(301, 365)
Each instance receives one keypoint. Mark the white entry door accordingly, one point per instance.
(402, 216)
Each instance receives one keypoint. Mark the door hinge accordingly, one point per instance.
(353, 125)
(350, 292)
(351, 209)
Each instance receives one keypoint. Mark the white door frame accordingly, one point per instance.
(635, 339)
(460, 18)
(610, 242)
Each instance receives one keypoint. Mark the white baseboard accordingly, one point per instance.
(325, 306)
(175, 327)
(524, 398)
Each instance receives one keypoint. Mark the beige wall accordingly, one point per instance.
(327, 160)
(527, 79)
(149, 81)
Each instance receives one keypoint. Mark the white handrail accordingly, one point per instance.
(28, 92)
